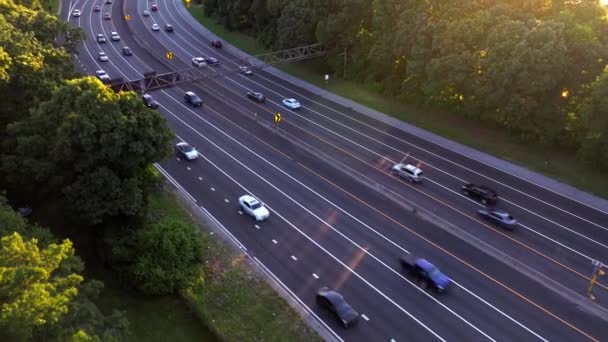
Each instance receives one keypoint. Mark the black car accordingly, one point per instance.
(126, 51)
(109, 2)
(482, 193)
(216, 44)
(193, 99)
(107, 16)
(499, 217)
(149, 101)
(97, 8)
(169, 28)
(258, 97)
(334, 302)
(154, 8)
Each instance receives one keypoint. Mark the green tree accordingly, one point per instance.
(594, 146)
(33, 290)
(167, 256)
(90, 144)
(31, 64)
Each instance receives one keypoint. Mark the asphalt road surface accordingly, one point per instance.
(339, 218)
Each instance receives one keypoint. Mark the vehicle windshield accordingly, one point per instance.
(256, 205)
(187, 148)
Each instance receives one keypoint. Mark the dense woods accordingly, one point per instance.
(69, 143)
(534, 67)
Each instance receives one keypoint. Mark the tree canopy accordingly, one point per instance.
(34, 292)
(92, 145)
(529, 66)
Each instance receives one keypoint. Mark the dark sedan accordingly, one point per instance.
(499, 217)
(216, 44)
(258, 97)
(334, 302)
(149, 101)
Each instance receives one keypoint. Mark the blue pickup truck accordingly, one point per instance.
(426, 272)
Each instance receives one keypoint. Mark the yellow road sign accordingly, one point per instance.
(128, 17)
(169, 55)
(277, 118)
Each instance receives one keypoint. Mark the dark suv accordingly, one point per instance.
(482, 193)
(193, 99)
(258, 97)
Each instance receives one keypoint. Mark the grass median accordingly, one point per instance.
(553, 162)
(234, 301)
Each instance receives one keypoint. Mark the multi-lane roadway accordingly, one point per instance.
(340, 218)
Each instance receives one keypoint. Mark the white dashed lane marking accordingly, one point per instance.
(294, 258)
(188, 168)
(365, 317)
(240, 212)
(256, 226)
(274, 241)
(200, 178)
(212, 189)
(226, 200)
(315, 275)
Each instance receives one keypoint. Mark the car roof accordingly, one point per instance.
(412, 168)
(183, 143)
(425, 265)
(250, 199)
(190, 93)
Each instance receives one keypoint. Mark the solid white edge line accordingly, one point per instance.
(314, 215)
(332, 256)
(259, 263)
(414, 145)
(339, 208)
(296, 298)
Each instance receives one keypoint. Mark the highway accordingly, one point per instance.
(339, 218)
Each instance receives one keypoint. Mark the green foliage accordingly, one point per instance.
(33, 292)
(43, 294)
(31, 64)
(167, 256)
(506, 62)
(92, 145)
(160, 256)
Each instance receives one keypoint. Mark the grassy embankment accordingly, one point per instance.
(234, 301)
(553, 162)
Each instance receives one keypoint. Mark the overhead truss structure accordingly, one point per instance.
(152, 80)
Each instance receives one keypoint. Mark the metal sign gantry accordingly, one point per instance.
(152, 80)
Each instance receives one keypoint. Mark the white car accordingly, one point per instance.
(251, 206)
(146, 13)
(155, 27)
(115, 36)
(291, 103)
(76, 13)
(408, 171)
(186, 151)
(103, 76)
(103, 57)
(199, 61)
(100, 38)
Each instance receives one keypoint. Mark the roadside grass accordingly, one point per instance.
(234, 301)
(152, 319)
(551, 161)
